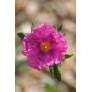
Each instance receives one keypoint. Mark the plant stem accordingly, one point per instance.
(55, 72)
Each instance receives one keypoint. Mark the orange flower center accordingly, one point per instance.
(45, 46)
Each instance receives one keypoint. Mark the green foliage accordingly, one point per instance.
(59, 29)
(55, 72)
(21, 35)
(18, 45)
(21, 66)
(68, 56)
(33, 25)
(50, 88)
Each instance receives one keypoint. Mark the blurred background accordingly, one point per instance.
(54, 12)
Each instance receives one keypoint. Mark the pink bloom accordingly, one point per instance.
(44, 46)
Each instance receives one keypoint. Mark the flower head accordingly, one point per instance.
(44, 46)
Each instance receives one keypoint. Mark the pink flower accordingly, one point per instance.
(44, 46)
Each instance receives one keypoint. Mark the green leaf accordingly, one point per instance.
(51, 70)
(51, 88)
(68, 56)
(21, 35)
(59, 29)
(55, 72)
(21, 66)
(33, 24)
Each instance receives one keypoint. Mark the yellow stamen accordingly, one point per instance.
(45, 46)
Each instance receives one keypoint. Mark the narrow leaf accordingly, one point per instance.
(21, 35)
(33, 25)
(68, 56)
(59, 28)
(51, 88)
(51, 70)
